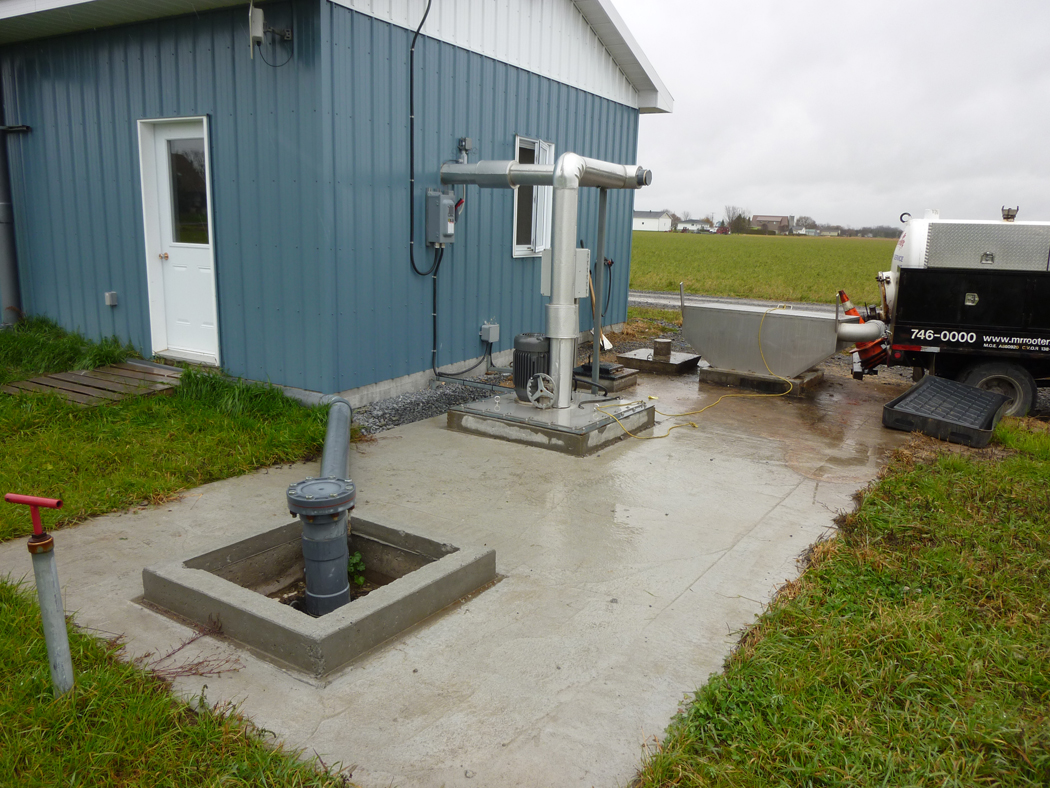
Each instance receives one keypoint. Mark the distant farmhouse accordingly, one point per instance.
(775, 224)
(652, 221)
(695, 225)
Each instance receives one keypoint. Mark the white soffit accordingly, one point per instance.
(23, 20)
(583, 43)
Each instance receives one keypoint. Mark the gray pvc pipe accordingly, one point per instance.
(45, 569)
(325, 549)
(335, 461)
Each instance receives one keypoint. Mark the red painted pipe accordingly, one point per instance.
(34, 502)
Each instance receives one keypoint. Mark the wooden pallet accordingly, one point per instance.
(106, 384)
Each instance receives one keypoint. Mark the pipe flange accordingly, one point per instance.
(329, 495)
(41, 543)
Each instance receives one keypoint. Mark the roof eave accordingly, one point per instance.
(29, 19)
(608, 25)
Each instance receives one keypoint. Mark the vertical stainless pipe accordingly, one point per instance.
(563, 312)
(599, 280)
(570, 172)
(45, 571)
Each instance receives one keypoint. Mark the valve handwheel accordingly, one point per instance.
(541, 390)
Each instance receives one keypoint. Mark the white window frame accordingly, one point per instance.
(542, 200)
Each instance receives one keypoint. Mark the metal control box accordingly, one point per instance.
(441, 218)
(582, 283)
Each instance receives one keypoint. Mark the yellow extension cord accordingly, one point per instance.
(706, 407)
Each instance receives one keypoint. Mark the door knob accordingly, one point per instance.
(163, 255)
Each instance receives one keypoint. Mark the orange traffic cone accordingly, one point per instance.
(847, 305)
(871, 353)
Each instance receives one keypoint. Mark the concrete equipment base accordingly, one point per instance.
(642, 360)
(764, 384)
(617, 381)
(574, 430)
(225, 588)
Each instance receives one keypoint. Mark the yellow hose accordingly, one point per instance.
(790, 387)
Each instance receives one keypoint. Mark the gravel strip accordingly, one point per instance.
(391, 412)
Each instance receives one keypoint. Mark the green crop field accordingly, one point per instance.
(778, 268)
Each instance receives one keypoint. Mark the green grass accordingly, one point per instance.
(647, 313)
(144, 449)
(915, 650)
(778, 268)
(36, 346)
(120, 725)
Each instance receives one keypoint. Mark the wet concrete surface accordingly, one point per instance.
(627, 577)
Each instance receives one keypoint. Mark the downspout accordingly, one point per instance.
(568, 175)
(10, 302)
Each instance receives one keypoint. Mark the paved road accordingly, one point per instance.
(661, 300)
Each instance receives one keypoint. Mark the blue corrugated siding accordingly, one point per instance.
(77, 190)
(310, 180)
(384, 306)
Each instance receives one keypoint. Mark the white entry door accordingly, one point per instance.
(180, 260)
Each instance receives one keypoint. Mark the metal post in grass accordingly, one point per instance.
(45, 568)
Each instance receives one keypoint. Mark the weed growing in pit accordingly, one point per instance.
(356, 569)
(915, 650)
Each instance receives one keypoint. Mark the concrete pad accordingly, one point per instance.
(800, 385)
(628, 575)
(644, 360)
(586, 426)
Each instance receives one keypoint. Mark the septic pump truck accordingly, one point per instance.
(970, 301)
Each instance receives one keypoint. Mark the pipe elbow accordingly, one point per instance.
(568, 171)
(861, 332)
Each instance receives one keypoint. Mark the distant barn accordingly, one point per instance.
(773, 224)
(652, 221)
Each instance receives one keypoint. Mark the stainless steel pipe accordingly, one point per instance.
(567, 176)
(52, 616)
(860, 332)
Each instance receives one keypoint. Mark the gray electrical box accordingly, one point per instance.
(441, 217)
(490, 332)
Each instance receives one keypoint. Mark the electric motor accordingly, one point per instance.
(532, 354)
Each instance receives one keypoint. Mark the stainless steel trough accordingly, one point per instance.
(792, 340)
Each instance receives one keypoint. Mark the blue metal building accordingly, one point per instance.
(284, 170)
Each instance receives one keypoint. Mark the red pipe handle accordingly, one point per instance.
(34, 502)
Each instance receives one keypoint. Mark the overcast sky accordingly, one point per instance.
(848, 112)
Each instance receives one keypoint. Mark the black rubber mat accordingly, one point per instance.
(946, 409)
